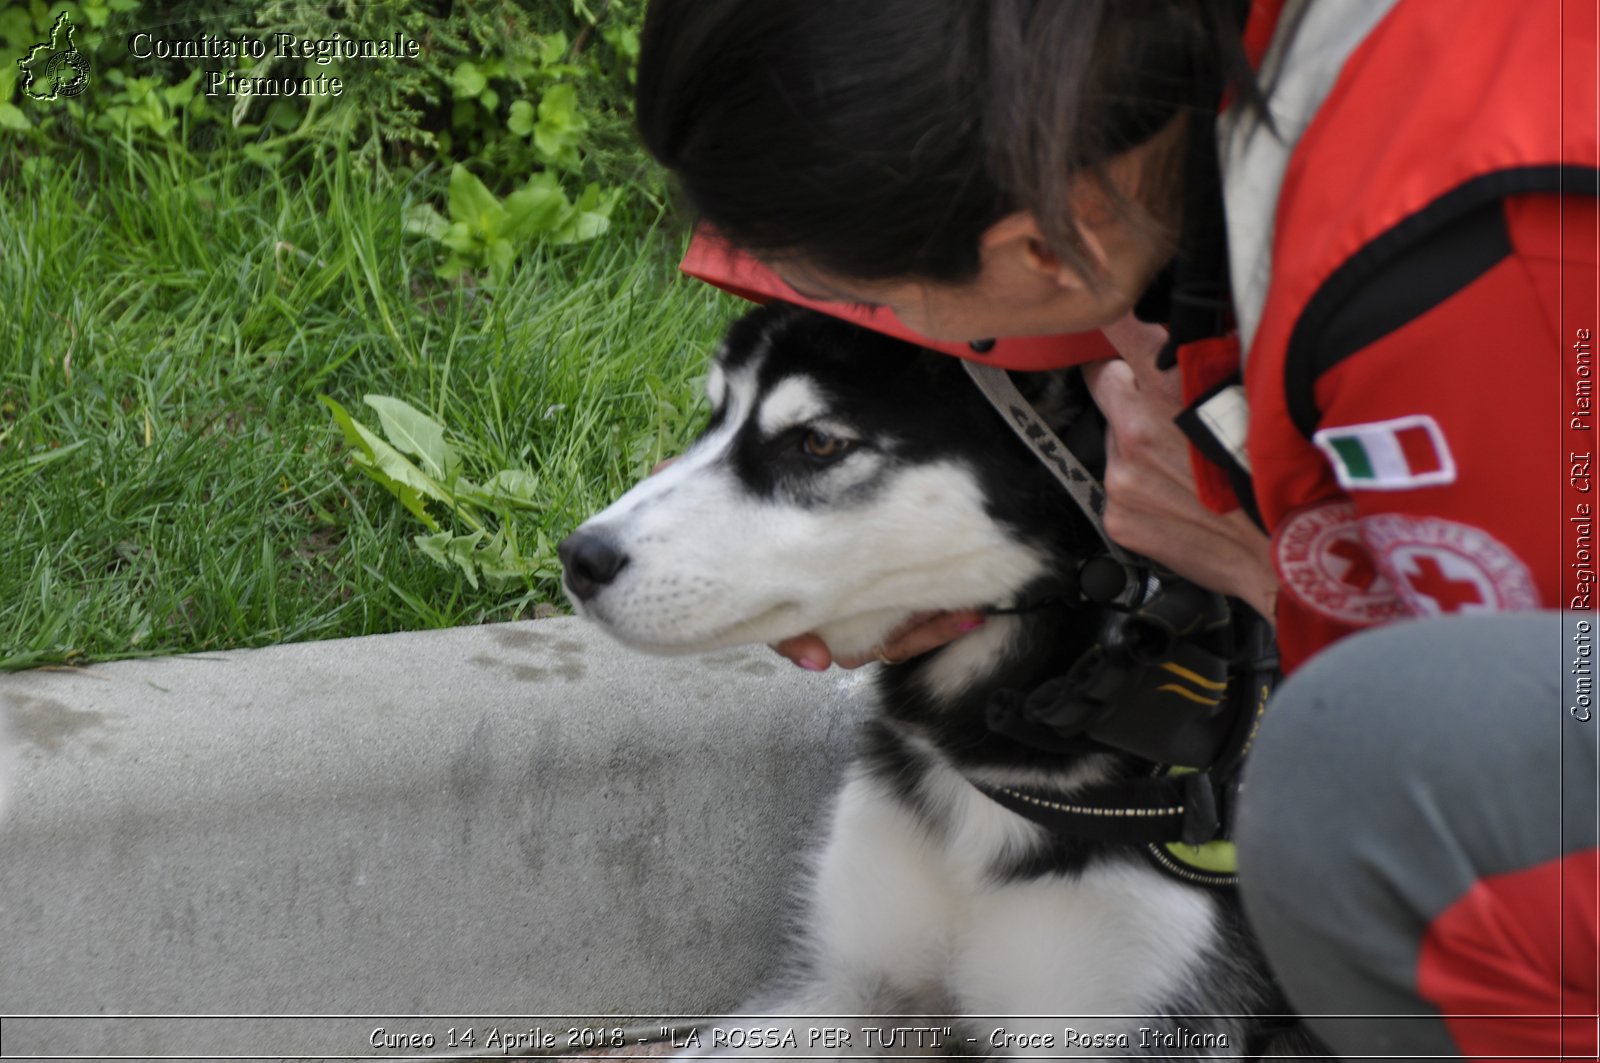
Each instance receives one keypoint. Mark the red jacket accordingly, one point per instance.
(1420, 426)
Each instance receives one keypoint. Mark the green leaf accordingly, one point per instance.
(508, 487)
(468, 80)
(560, 126)
(414, 433)
(379, 456)
(422, 219)
(16, 27)
(583, 227)
(552, 49)
(625, 39)
(459, 238)
(353, 435)
(538, 207)
(473, 203)
(500, 561)
(264, 157)
(383, 464)
(517, 485)
(414, 500)
(283, 114)
(11, 117)
(592, 200)
(501, 254)
(452, 550)
(521, 120)
(590, 217)
(181, 93)
(559, 108)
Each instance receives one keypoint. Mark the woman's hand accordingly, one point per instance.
(1151, 504)
(921, 633)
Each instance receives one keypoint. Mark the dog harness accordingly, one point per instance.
(1176, 677)
(1181, 681)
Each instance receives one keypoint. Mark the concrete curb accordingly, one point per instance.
(519, 819)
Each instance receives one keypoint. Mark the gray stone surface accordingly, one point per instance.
(521, 819)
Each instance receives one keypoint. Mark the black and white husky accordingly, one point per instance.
(845, 482)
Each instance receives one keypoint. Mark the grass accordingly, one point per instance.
(169, 482)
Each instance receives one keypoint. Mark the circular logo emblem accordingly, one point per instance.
(67, 72)
(1325, 564)
(1440, 566)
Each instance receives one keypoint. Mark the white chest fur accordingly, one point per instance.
(904, 914)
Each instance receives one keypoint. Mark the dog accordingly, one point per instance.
(848, 481)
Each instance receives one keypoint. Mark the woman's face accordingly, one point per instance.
(1020, 290)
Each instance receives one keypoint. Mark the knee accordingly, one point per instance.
(1302, 766)
(1338, 749)
(1374, 756)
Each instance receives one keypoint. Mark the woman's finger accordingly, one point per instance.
(918, 636)
(807, 651)
(1140, 344)
(1140, 432)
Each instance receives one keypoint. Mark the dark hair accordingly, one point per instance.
(880, 138)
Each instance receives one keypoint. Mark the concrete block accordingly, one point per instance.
(511, 820)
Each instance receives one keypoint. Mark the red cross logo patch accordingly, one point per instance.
(1323, 561)
(1441, 566)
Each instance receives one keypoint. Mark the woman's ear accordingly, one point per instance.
(1017, 241)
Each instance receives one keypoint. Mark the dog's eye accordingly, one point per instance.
(819, 444)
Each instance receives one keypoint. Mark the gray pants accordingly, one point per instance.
(1417, 837)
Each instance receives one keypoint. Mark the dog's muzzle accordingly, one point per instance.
(590, 560)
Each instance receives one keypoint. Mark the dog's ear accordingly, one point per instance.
(1060, 396)
(1062, 399)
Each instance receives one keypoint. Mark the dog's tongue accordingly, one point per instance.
(715, 261)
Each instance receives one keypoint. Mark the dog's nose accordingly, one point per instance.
(591, 560)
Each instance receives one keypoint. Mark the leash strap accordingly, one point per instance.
(1080, 483)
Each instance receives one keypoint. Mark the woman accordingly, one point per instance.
(1369, 232)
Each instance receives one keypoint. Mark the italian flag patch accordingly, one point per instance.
(1388, 455)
